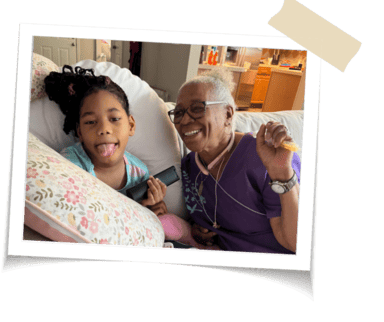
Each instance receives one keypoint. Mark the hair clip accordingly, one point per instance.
(67, 67)
(71, 90)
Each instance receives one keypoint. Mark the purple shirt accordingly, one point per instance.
(245, 179)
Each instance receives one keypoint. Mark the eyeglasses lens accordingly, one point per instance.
(196, 111)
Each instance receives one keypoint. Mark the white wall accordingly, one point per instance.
(168, 66)
(87, 49)
(149, 62)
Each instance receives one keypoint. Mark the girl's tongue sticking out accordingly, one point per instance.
(106, 150)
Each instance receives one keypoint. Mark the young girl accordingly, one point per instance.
(97, 111)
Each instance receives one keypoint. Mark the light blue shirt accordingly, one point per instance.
(137, 171)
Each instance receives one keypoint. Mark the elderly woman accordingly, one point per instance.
(241, 192)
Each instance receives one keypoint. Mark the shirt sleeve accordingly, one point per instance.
(72, 155)
(137, 171)
(146, 174)
(272, 199)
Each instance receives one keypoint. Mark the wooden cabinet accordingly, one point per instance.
(261, 85)
(260, 89)
(245, 89)
(283, 93)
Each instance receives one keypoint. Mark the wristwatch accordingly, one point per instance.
(283, 187)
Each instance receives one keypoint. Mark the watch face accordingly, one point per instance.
(277, 188)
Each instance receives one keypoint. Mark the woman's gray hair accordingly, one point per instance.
(222, 84)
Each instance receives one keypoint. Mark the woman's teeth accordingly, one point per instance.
(191, 133)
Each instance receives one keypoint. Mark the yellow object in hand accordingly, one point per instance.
(290, 145)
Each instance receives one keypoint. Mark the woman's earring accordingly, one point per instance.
(228, 125)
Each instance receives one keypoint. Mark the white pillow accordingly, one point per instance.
(155, 141)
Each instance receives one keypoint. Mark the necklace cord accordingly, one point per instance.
(206, 172)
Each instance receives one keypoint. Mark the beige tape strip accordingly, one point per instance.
(316, 34)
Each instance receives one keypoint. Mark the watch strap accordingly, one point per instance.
(286, 186)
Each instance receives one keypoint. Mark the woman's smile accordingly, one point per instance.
(192, 133)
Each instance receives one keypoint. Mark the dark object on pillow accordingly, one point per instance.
(139, 191)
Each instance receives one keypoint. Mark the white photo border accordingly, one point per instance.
(19, 247)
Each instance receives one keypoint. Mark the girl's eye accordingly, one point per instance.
(115, 119)
(89, 122)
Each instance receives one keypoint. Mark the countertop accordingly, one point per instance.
(231, 68)
(274, 68)
(279, 69)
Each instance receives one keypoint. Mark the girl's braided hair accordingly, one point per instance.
(70, 88)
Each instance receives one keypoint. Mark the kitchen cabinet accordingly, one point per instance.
(261, 85)
(285, 91)
(260, 89)
(245, 89)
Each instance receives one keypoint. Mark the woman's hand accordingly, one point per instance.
(278, 162)
(203, 235)
(276, 159)
(156, 192)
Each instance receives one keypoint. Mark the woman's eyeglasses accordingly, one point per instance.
(195, 111)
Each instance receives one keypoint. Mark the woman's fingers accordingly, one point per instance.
(276, 133)
(203, 235)
(202, 229)
(210, 235)
(260, 137)
(279, 135)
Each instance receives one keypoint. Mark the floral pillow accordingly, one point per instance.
(65, 203)
(41, 67)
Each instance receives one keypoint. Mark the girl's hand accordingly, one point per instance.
(156, 192)
(276, 159)
(203, 235)
(159, 208)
